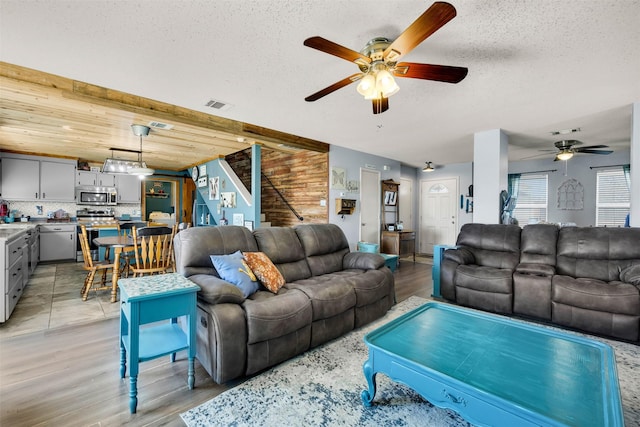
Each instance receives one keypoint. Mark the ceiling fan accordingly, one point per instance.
(567, 149)
(378, 60)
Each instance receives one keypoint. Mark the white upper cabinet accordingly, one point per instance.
(128, 188)
(41, 180)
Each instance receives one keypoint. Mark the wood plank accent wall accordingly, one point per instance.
(302, 177)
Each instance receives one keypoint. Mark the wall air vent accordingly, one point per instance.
(218, 105)
(160, 125)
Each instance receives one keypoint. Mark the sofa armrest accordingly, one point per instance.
(362, 261)
(535, 269)
(459, 256)
(214, 290)
(631, 275)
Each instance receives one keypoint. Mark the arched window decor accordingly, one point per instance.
(571, 195)
(438, 188)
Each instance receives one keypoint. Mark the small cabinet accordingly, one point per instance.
(96, 178)
(345, 206)
(399, 243)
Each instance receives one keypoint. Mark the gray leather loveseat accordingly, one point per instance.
(586, 278)
(328, 292)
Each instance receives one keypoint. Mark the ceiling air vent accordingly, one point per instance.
(218, 105)
(160, 125)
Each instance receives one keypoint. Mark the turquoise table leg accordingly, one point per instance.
(438, 253)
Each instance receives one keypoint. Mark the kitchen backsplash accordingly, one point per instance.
(30, 209)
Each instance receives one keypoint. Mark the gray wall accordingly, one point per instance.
(579, 168)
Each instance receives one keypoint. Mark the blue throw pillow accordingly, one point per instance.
(235, 270)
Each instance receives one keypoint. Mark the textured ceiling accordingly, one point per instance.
(534, 66)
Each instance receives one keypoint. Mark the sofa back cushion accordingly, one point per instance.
(597, 252)
(492, 245)
(538, 244)
(325, 246)
(282, 246)
(194, 247)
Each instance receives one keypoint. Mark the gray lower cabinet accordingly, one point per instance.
(58, 242)
(12, 282)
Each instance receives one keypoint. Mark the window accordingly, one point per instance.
(531, 205)
(612, 198)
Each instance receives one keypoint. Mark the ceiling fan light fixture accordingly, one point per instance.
(367, 86)
(386, 84)
(564, 155)
(428, 168)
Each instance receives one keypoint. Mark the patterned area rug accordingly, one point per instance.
(322, 388)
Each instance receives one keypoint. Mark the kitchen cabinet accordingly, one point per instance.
(12, 253)
(32, 179)
(56, 181)
(128, 188)
(96, 178)
(57, 242)
(20, 179)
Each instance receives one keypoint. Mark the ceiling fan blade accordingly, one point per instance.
(335, 49)
(441, 73)
(380, 105)
(594, 151)
(588, 147)
(338, 85)
(428, 23)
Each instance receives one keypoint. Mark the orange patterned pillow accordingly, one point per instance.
(265, 271)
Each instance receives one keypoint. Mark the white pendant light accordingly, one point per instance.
(142, 170)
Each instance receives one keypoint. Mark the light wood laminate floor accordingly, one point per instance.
(68, 374)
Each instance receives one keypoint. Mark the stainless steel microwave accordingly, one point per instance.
(96, 196)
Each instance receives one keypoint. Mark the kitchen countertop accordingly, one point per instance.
(11, 233)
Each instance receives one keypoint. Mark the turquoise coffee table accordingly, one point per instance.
(495, 371)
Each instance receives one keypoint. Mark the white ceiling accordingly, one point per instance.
(534, 66)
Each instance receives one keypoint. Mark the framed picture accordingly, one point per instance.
(390, 198)
(238, 219)
(214, 188)
(249, 225)
(203, 170)
(338, 178)
(202, 181)
(228, 199)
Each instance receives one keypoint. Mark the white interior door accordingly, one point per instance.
(438, 213)
(369, 206)
(405, 203)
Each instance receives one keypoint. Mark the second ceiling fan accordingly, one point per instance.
(378, 60)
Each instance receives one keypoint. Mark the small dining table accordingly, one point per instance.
(119, 244)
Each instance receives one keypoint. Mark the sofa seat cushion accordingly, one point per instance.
(486, 279)
(330, 294)
(370, 286)
(593, 294)
(271, 316)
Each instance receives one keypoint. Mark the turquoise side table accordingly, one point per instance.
(151, 299)
(390, 261)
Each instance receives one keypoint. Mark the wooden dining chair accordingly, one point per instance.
(126, 257)
(153, 250)
(92, 267)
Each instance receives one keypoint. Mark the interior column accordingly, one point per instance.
(490, 170)
(634, 219)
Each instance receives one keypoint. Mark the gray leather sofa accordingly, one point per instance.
(328, 292)
(585, 278)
